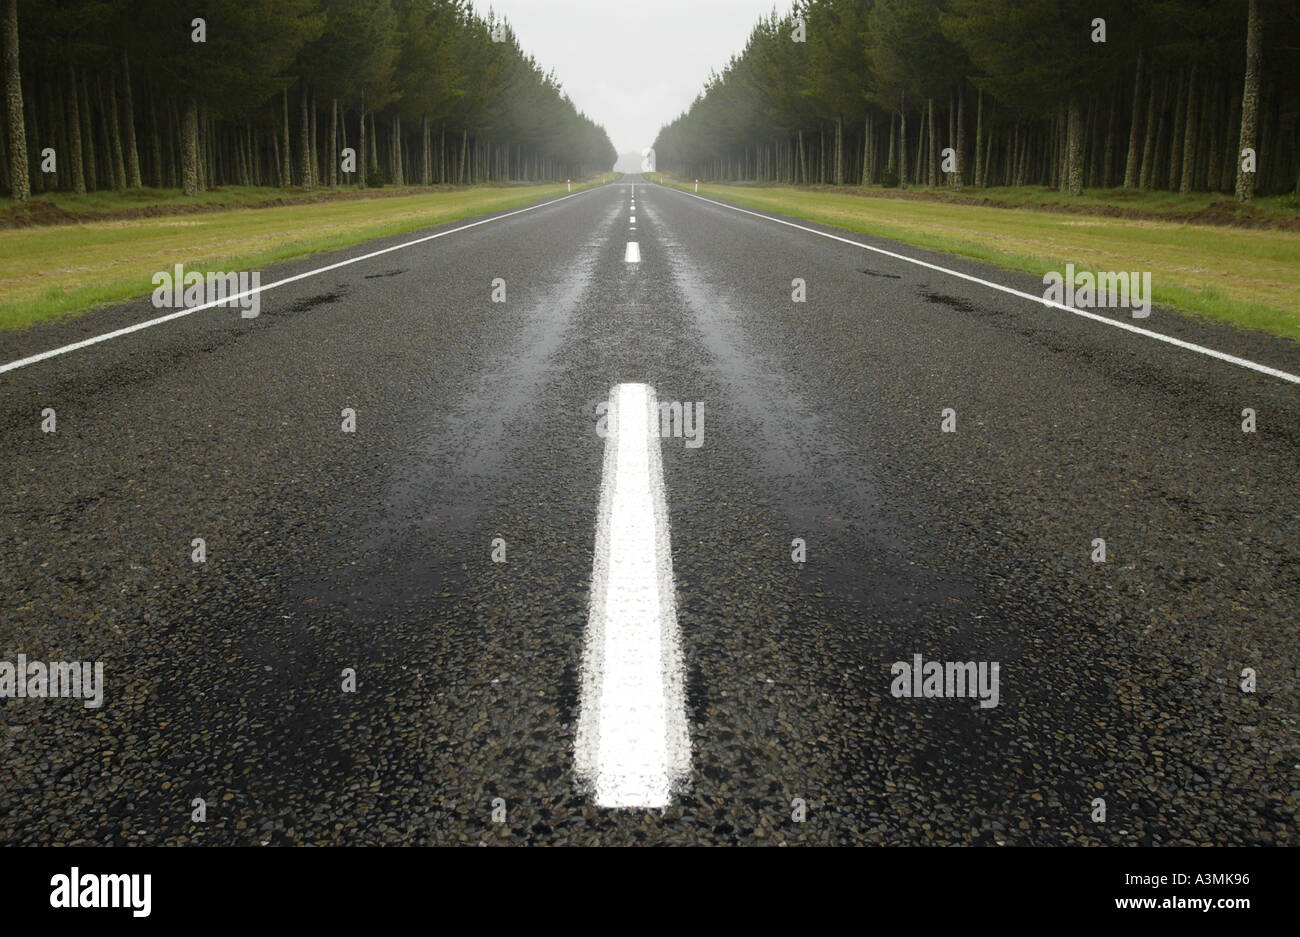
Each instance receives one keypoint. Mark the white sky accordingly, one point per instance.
(629, 65)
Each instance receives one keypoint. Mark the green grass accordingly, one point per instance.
(107, 202)
(54, 270)
(1276, 207)
(1249, 276)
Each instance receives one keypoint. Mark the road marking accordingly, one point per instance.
(633, 255)
(180, 313)
(634, 219)
(632, 746)
(1137, 330)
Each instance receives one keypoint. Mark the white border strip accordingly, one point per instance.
(632, 746)
(86, 343)
(1199, 349)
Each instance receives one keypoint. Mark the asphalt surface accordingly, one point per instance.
(477, 420)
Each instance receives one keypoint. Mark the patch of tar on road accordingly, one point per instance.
(956, 302)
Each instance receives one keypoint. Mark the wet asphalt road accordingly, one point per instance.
(476, 420)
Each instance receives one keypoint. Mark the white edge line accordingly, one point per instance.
(1137, 330)
(228, 300)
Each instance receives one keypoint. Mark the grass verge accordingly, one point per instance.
(61, 269)
(1246, 276)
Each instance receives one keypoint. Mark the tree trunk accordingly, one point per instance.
(988, 162)
(1022, 162)
(173, 137)
(190, 148)
(1163, 149)
(950, 178)
(902, 140)
(1214, 155)
(115, 137)
(201, 150)
(1189, 137)
(958, 178)
(133, 179)
(20, 186)
(1177, 130)
(464, 151)
(374, 163)
(866, 150)
(399, 176)
(304, 137)
(155, 142)
(286, 162)
(980, 162)
(821, 152)
(74, 135)
(1108, 152)
(88, 135)
(1249, 103)
(1091, 140)
(839, 151)
(426, 163)
(931, 178)
(1131, 163)
(1075, 147)
(58, 135)
(317, 176)
(1060, 160)
(1149, 144)
(333, 154)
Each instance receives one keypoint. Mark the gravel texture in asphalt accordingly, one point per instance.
(372, 552)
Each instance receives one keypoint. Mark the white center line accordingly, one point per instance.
(632, 746)
(633, 255)
(634, 219)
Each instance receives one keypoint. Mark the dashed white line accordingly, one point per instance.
(632, 746)
(633, 254)
(1137, 330)
(634, 219)
(231, 299)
